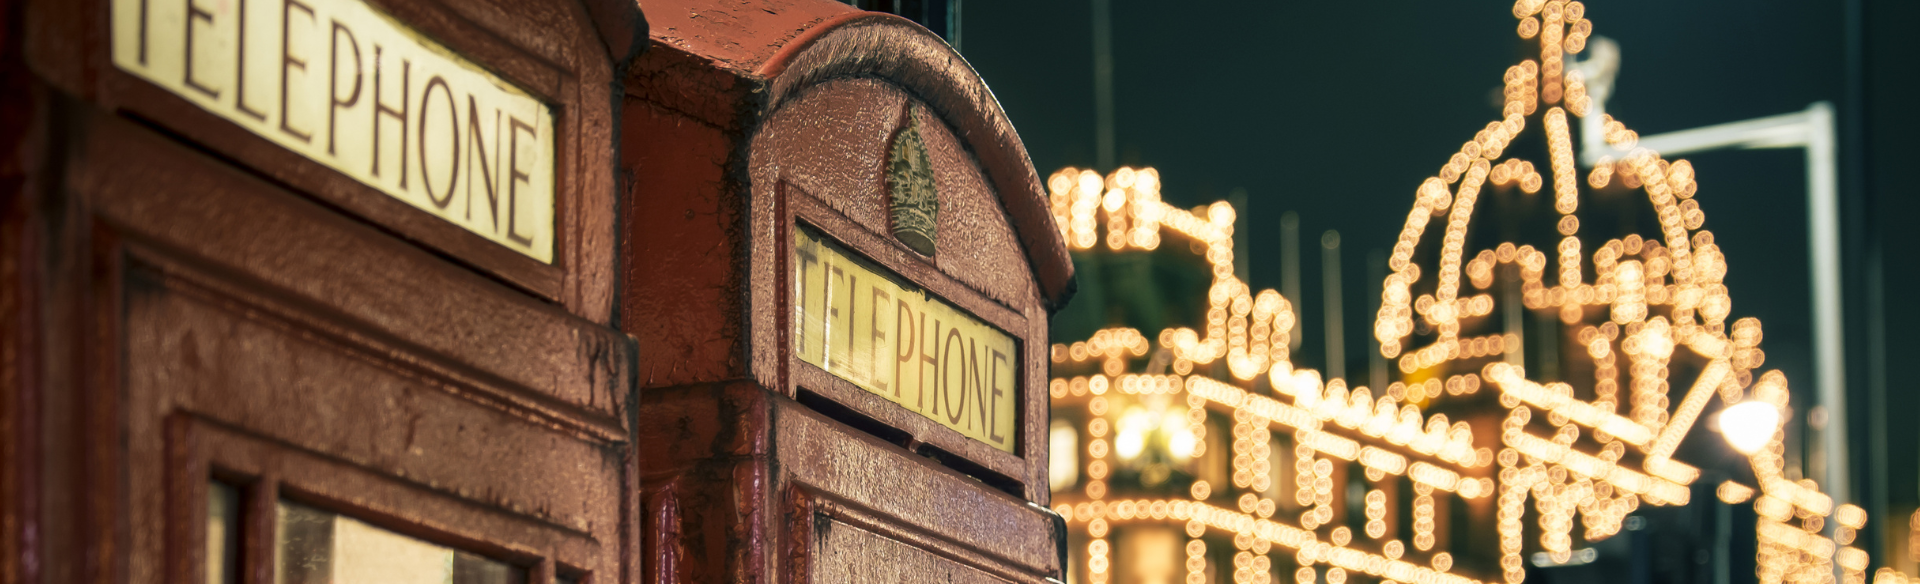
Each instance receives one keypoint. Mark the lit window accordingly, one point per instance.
(1063, 464)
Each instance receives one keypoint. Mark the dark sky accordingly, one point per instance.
(1338, 113)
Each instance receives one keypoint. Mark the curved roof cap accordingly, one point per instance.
(793, 44)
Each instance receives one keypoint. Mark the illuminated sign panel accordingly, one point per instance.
(346, 86)
(872, 328)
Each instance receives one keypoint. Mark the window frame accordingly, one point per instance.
(266, 471)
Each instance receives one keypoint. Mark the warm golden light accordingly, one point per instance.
(1329, 421)
(1571, 459)
(1748, 426)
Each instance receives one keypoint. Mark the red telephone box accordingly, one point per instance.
(312, 290)
(839, 264)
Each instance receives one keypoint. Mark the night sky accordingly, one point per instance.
(1338, 110)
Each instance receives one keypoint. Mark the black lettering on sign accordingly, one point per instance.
(215, 53)
(453, 140)
(288, 62)
(979, 389)
(929, 359)
(476, 143)
(380, 108)
(515, 176)
(853, 308)
(993, 422)
(141, 51)
(334, 102)
(240, 66)
(954, 414)
(904, 332)
(947, 366)
(195, 13)
(877, 338)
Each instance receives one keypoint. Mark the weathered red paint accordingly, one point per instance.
(183, 301)
(180, 301)
(746, 119)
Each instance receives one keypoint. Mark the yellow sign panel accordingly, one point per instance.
(899, 342)
(353, 89)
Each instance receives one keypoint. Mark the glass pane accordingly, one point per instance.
(223, 533)
(305, 544)
(472, 569)
(322, 547)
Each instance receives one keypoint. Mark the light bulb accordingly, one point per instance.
(1748, 426)
(1181, 444)
(1129, 443)
(1131, 438)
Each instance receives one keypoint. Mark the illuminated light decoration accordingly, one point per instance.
(1314, 406)
(1733, 493)
(1385, 435)
(1198, 516)
(1512, 381)
(1659, 298)
(1376, 512)
(1749, 425)
(1638, 305)
(1246, 330)
(1423, 516)
(1196, 560)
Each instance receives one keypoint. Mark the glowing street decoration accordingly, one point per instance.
(1328, 421)
(1248, 331)
(1636, 305)
(1653, 300)
(1748, 425)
